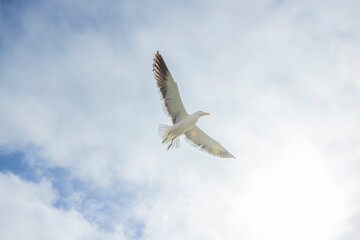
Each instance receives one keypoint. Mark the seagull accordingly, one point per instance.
(183, 123)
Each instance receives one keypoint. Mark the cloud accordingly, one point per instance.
(296, 193)
(280, 79)
(30, 214)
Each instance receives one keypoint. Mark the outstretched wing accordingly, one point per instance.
(200, 139)
(169, 92)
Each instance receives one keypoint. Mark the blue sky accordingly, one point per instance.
(80, 157)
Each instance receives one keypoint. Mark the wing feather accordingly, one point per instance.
(201, 140)
(168, 89)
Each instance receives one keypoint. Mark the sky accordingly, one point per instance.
(80, 157)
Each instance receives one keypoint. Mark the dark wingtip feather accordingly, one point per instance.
(160, 72)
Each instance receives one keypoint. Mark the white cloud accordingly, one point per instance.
(297, 193)
(28, 213)
(280, 79)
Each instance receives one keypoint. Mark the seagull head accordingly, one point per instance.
(201, 113)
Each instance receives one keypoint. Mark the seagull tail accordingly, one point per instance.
(166, 137)
(164, 132)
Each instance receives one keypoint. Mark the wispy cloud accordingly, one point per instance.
(78, 101)
(28, 213)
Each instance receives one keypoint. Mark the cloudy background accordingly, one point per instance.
(79, 153)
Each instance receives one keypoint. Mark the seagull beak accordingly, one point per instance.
(206, 113)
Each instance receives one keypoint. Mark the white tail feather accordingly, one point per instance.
(166, 137)
(163, 131)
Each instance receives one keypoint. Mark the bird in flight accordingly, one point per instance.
(183, 123)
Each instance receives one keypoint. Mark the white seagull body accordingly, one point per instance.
(183, 123)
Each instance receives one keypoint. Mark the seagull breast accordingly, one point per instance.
(184, 125)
